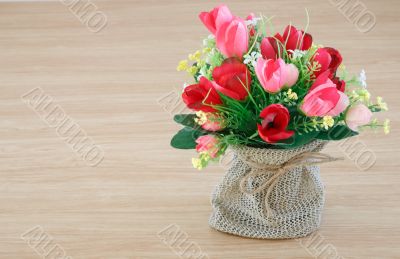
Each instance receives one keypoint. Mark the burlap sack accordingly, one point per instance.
(295, 202)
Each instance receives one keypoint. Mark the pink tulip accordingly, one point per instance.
(207, 144)
(212, 125)
(233, 38)
(324, 98)
(216, 17)
(358, 115)
(276, 74)
(292, 74)
(211, 121)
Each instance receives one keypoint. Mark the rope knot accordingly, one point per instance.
(258, 169)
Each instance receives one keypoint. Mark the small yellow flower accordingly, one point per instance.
(328, 122)
(353, 95)
(381, 104)
(192, 70)
(201, 118)
(206, 50)
(195, 56)
(342, 67)
(199, 113)
(292, 95)
(386, 126)
(364, 95)
(205, 157)
(183, 65)
(201, 63)
(197, 163)
(374, 122)
(202, 161)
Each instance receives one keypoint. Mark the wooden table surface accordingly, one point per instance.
(113, 84)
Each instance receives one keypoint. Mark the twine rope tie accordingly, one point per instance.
(257, 169)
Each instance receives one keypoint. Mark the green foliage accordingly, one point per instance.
(297, 140)
(186, 138)
(337, 132)
(216, 58)
(186, 120)
(239, 118)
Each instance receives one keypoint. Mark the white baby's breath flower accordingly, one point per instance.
(297, 53)
(363, 79)
(251, 58)
(247, 59)
(208, 39)
(248, 22)
(253, 21)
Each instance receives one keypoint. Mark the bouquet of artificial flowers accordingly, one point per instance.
(275, 99)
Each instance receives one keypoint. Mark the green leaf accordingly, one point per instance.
(297, 140)
(186, 138)
(248, 125)
(186, 120)
(338, 132)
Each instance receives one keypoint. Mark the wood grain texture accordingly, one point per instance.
(110, 83)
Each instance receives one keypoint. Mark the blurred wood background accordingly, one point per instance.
(114, 83)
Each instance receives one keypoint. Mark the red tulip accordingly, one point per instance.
(296, 39)
(340, 84)
(275, 121)
(232, 38)
(216, 17)
(329, 59)
(324, 98)
(272, 47)
(198, 95)
(233, 79)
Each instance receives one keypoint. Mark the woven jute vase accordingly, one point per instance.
(295, 201)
